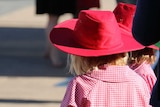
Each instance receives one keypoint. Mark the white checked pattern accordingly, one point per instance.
(115, 86)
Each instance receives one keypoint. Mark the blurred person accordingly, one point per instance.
(54, 9)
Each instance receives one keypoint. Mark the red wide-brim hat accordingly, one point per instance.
(124, 13)
(94, 33)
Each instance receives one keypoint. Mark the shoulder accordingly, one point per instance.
(83, 81)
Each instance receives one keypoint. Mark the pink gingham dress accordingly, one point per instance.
(112, 86)
(147, 73)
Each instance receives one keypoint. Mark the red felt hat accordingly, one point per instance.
(124, 14)
(94, 33)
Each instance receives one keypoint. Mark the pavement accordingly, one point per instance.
(27, 78)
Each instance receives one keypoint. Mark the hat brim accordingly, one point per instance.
(62, 37)
(133, 40)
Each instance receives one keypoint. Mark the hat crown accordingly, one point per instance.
(97, 30)
(124, 14)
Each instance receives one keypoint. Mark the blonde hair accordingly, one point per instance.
(139, 56)
(80, 65)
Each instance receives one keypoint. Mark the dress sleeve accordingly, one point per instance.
(146, 72)
(69, 98)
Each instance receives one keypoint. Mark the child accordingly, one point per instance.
(140, 60)
(98, 56)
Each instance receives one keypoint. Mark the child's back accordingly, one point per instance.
(114, 86)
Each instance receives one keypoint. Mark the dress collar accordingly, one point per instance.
(111, 74)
